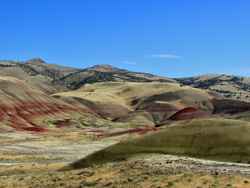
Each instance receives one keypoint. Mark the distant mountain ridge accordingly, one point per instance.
(73, 78)
(53, 78)
(103, 73)
(39, 66)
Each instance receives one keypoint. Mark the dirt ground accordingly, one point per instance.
(34, 160)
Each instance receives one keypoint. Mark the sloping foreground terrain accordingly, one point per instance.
(35, 160)
(219, 139)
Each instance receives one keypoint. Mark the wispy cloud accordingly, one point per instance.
(165, 56)
(129, 62)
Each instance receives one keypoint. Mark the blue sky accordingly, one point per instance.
(171, 38)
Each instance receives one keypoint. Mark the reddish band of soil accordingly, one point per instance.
(188, 113)
(20, 116)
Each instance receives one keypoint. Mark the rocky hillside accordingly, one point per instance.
(37, 73)
(37, 66)
(104, 73)
(228, 86)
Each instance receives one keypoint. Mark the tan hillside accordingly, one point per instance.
(149, 101)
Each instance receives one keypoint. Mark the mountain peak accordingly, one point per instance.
(36, 61)
(104, 68)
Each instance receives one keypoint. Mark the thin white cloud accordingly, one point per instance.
(166, 56)
(129, 62)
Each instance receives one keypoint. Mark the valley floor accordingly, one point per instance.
(33, 160)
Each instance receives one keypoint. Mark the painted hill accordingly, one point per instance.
(152, 103)
(23, 107)
(146, 103)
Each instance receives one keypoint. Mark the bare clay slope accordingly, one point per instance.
(23, 107)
